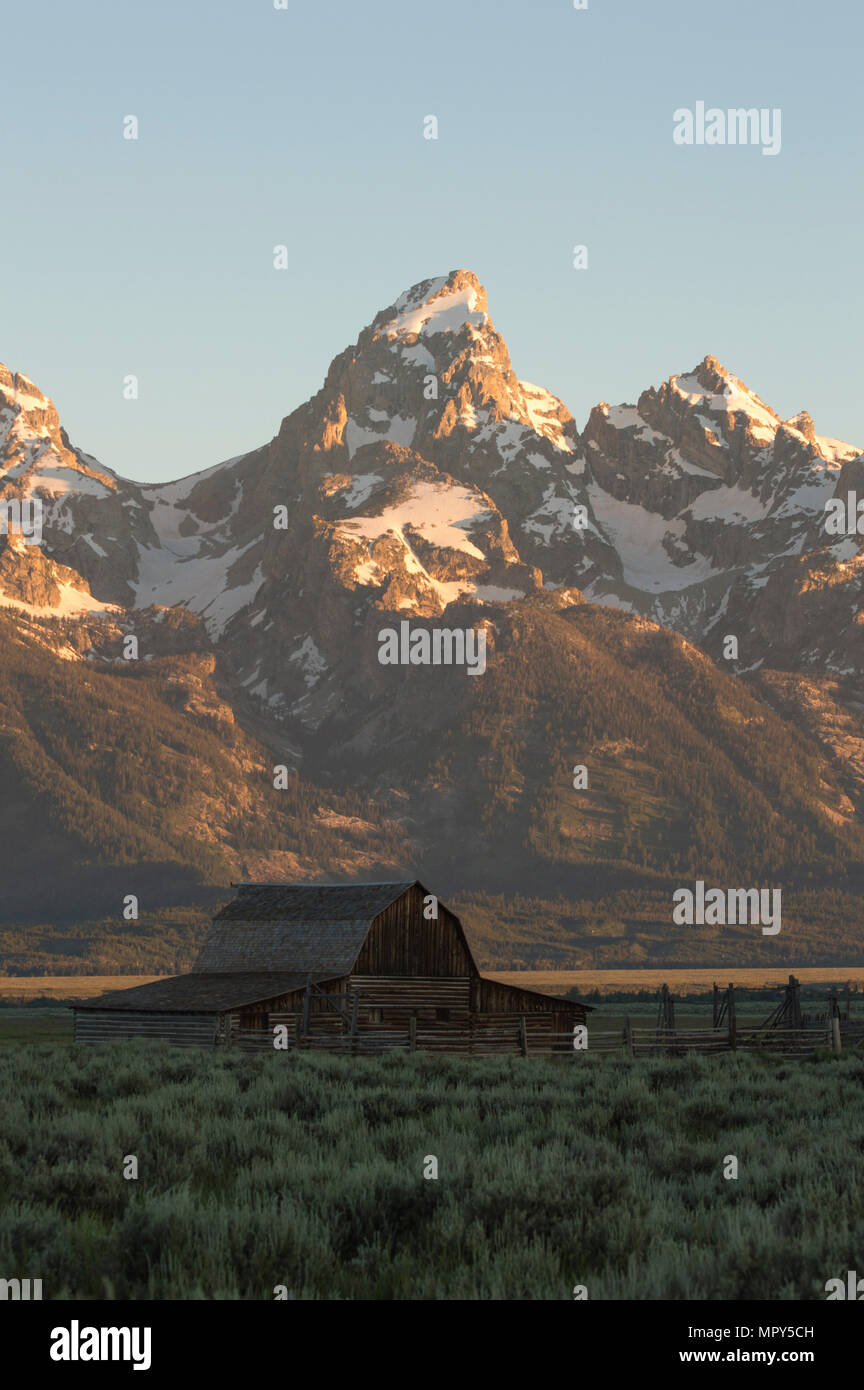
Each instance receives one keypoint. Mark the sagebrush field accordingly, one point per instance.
(307, 1171)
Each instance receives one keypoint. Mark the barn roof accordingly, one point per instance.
(204, 993)
(314, 928)
(304, 902)
(491, 986)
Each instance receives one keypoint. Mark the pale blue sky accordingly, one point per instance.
(304, 127)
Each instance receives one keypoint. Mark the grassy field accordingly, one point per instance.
(680, 982)
(20, 989)
(308, 1171)
(18, 1026)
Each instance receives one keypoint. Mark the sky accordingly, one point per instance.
(304, 127)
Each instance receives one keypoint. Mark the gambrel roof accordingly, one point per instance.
(303, 902)
(270, 926)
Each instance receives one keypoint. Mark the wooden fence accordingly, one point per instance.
(514, 1038)
(458, 1041)
(788, 1042)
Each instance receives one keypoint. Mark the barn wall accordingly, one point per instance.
(434, 1000)
(534, 1023)
(286, 1007)
(383, 1000)
(190, 1030)
(400, 996)
(402, 942)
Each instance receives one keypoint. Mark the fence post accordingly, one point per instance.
(412, 1034)
(835, 1034)
(733, 1027)
(304, 1027)
(796, 1002)
(628, 1038)
(523, 1036)
(354, 1003)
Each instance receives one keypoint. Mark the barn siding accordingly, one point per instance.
(493, 997)
(189, 1030)
(288, 1007)
(400, 996)
(402, 942)
(263, 1007)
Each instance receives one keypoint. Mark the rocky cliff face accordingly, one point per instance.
(92, 520)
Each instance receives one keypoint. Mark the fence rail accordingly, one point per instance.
(515, 1039)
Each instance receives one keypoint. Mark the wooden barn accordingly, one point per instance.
(359, 967)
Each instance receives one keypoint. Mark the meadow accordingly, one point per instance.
(307, 1171)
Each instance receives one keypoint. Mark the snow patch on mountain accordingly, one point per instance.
(542, 409)
(311, 661)
(735, 396)
(360, 489)
(60, 482)
(640, 538)
(72, 601)
(728, 504)
(439, 512)
(183, 573)
(437, 312)
(555, 516)
(399, 431)
(836, 451)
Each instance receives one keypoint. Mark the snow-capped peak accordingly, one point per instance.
(23, 407)
(442, 305)
(17, 387)
(35, 455)
(711, 387)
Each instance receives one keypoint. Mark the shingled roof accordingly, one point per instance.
(272, 926)
(303, 902)
(203, 993)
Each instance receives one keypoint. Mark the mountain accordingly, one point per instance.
(134, 777)
(704, 493)
(426, 482)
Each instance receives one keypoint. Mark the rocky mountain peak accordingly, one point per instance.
(710, 387)
(444, 304)
(35, 451)
(803, 423)
(25, 413)
(432, 376)
(713, 374)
